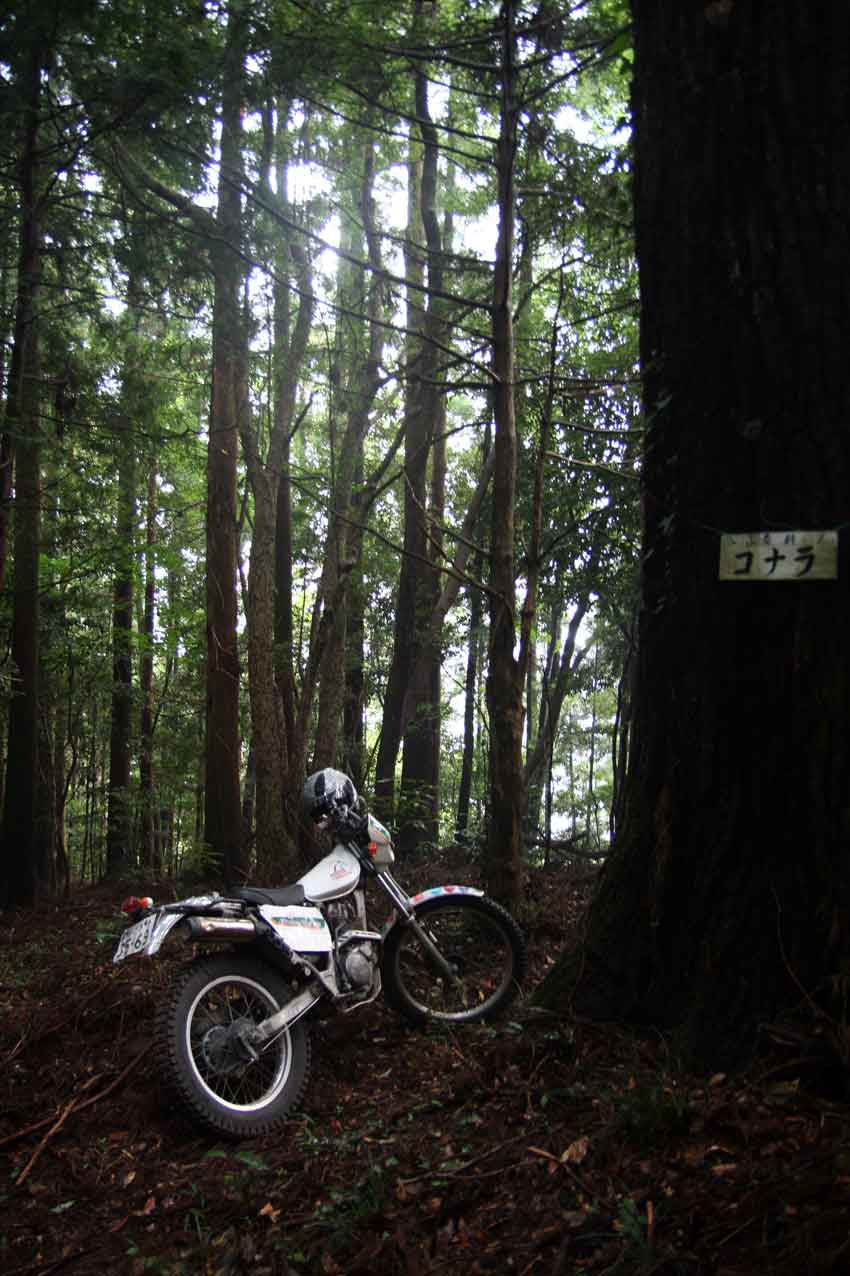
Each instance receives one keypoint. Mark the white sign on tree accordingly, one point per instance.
(785, 556)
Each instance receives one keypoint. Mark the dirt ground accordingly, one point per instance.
(531, 1146)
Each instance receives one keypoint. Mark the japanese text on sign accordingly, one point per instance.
(779, 556)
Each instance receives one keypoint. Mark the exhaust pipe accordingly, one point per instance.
(208, 929)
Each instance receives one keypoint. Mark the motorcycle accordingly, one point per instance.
(230, 1038)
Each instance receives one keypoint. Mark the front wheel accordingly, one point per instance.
(201, 1055)
(479, 969)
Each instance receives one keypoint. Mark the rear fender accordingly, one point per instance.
(160, 923)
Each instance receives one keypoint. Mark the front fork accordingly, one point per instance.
(407, 917)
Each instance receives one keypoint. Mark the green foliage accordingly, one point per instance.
(126, 352)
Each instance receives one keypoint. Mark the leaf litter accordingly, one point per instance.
(530, 1146)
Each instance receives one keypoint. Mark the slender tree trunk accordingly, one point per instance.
(222, 815)
(420, 777)
(284, 410)
(51, 633)
(354, 706)
(535, 769)
(119, 823)
(591, 807)
(147, 838)
(61, 779)
(415, 478)
(340, 569)
(562, 667)
(620, 736)
(354, 723)
(470, 692)
(275, 845)
(503, 867)
(347, 423)
(412, 702)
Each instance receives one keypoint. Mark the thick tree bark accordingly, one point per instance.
(726, 899)
(20, 882)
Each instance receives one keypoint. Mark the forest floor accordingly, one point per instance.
(529, 1147)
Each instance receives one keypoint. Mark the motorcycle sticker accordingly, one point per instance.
(304, 929)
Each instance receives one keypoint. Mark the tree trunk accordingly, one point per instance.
(420, 775)
(283, 409)
(726, 899)
(354, 706)
(51, 706)
(61, 779)
(470, 693)
(222, 815)
(503, 865)
(361, 370)
(415, 480)
(148, 843)
(119, 820)
(562, 665)
(275, 846)
(540, 749)
(19, 878)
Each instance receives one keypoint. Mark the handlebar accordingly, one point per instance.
(347, 823)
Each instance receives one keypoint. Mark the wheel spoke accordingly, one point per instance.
(476, 947)
(230, 1078)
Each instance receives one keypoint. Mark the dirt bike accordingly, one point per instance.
(230, 1038)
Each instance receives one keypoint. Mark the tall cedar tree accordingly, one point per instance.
(420, 775)
(119, 835)
(726, 899)
(275, 848)
(505, 676)
(222, 816)
(23, 871)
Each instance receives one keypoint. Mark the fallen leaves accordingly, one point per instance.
(438, 1169)
(572, 1155)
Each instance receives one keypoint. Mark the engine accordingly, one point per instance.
(349, 911)
(358, 961)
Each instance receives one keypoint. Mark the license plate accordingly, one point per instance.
(135, 939)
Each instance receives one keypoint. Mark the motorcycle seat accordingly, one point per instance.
(279, 896)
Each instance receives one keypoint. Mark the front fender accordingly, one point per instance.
(433, 892)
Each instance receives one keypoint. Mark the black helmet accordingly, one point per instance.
(325, 790)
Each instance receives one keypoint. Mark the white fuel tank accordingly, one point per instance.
(334, 876)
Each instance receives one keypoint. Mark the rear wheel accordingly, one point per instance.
(483, 961)
(202, 1053)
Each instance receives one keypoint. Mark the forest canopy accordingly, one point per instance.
(320, 429)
